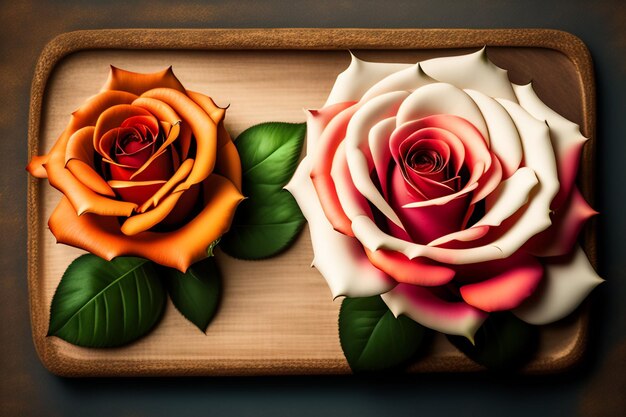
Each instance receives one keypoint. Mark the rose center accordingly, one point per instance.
(428, 166)
(134, 146)
(428, 158)
(133, 142)
(425, 161)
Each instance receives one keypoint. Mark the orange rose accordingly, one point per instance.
(146, 169)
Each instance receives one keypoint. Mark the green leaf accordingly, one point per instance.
(269, 220)
(263, 228)
(102, 304)
(502, 343)
(196, 293)
(269, 155)
(371, 337)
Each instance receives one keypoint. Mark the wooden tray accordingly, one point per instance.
(277, 316)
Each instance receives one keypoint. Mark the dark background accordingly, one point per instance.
(596, 388)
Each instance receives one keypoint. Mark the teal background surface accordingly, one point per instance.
(596, 388)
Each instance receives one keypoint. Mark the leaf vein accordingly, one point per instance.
(99, 293)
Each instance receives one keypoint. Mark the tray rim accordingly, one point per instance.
(295, 39)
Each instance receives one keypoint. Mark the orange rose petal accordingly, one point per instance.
(185, 209)
(228, 163)
(178, 249)
(175, 158)
(165, 126)
(168, 117)
(88, 113)
(82, 198)
(35, 166)
(178, 176)
(112, 118)
(161, 110)
(222, 198)
(136, 192)
(80, 146)
(207, 104)
(90, 178)
(202, 126)
(184, 140)
(137, 83)
(93, 233)
(128, 184)
(145, 221)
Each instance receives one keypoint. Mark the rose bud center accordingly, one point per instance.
(134, 148)
(426, 161)
(427, 167)
(137, 159)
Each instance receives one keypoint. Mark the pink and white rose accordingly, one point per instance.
(448, 190)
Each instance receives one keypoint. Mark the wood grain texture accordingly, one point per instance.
(277, 316)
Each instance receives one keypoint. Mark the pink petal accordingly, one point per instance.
(423, 306)
(425, 224)
(567, 141)
(417, 271)
(567, 160)
(489, 181)
(339, 258)
(465, 235)
(559, 239)
(517, 279)
(317, 120)
(322, 161)
(441, 100)
(381, 155)
(352, 201)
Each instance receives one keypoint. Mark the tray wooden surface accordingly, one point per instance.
(277, 316)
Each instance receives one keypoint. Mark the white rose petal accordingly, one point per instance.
(566, 285)
(442, 98)
(358, 78)
(472, 71)
(417, 303)
(505, 142)
(357, 134)
(408, 79)
(339, 258)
